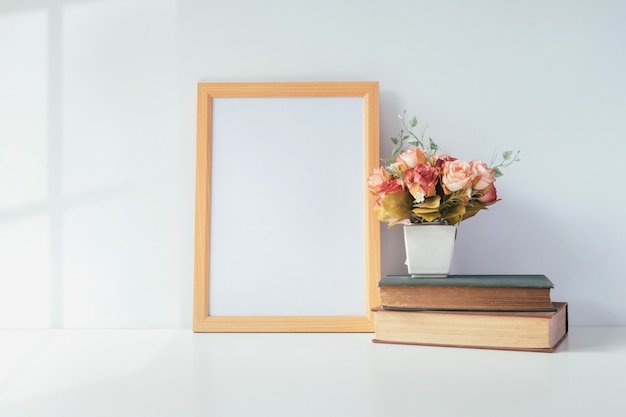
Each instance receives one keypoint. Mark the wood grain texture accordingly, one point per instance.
(203, 321)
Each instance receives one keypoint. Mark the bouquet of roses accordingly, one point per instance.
(418, 185)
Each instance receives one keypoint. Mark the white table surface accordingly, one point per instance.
(66, 373)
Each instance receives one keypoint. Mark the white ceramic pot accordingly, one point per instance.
(429, 249)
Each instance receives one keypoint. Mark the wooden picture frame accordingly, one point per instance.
(214, 134)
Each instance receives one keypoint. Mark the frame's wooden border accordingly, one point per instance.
(202, 320)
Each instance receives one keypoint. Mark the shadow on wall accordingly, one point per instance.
(88, 222)
(30, 202)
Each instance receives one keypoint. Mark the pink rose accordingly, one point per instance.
(422, 179)
(457, 175)
(392, 186)
(440, 161)
(377, 178)
(489, 195)
(410, 158)
(483, 175)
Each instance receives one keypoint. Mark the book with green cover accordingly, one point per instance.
(467, 293)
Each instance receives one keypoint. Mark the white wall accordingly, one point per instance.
(97, 131)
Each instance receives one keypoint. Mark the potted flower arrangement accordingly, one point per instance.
(418, 186)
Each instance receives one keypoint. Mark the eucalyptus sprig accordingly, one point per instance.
(408, 138)
(507, 159)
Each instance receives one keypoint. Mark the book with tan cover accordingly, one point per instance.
(532, 331)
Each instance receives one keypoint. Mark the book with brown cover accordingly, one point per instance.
(528, 331)
(467, 292)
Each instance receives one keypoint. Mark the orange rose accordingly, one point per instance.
(483, 175)
(410, 158)
(457, 175)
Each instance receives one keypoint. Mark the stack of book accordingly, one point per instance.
(479, 311)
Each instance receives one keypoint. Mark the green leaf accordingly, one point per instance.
(507, 154)
(394, 140)
(414, 121)
(433, 145)
(428, 217)
(397, 205)
(496, 172)
(472, 210)
(455, 213)
(430, 203)
(394, 153)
